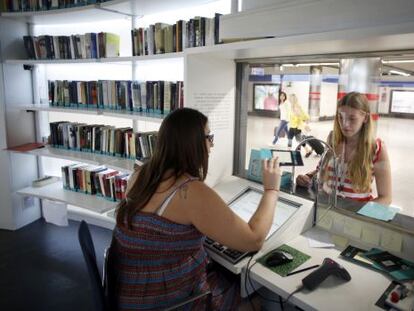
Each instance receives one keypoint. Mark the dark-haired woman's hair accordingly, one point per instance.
(181, 148)
(282, 93)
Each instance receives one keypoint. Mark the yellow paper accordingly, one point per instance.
(353, 228)
(339, 241)
(326, 221)
(371, 235)
(392, 241)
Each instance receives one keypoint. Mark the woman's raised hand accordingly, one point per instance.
(271, 174)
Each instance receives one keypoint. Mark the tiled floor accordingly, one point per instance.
(396, 133)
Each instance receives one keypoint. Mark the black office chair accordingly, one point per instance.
(88, 250)
(100, 287)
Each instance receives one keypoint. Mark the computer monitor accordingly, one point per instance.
(246, 203)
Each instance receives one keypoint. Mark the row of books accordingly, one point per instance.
(103, 139)
(164, 38)
(89, 45)
(42, 5)
(95, 180)
(138, 96)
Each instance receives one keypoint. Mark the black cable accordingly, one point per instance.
(297, 290)
(247, 278)
(245, 283)
(281, 302)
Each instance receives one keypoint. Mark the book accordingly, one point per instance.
(26, 147)
(396, 267)
(355, 254)
(111, 45)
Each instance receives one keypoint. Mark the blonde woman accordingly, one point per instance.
(361, 157)
(297, 122)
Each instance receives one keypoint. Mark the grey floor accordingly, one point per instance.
(396, 133)
(42, 267)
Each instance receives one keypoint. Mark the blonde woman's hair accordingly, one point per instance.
(296, 108)
(359, 168)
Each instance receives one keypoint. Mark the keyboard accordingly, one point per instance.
(225, 252)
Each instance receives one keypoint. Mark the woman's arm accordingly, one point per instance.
(382, 173)
(212, 216)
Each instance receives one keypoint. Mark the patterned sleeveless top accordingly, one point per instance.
(159, 263)
(345, 188)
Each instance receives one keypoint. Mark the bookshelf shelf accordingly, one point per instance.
(139, 116)
(105, 220)
(141, 58)
(109, 10)
(121, 164)
(107, 60)
(50, 61)
(81, 14)
(59, 109)
(56, 192)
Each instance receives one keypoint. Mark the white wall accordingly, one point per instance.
(286, 18)
(210, 88)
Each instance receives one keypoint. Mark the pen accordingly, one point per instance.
(304, 269)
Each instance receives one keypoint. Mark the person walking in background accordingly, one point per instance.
(362, 158)
(284, 107)
(298, 121)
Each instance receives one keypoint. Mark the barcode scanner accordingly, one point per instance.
(328, 267)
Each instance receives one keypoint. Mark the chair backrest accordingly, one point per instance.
(88, 250)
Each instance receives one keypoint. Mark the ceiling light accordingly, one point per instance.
(316, 64)
(398, 61)
(401, 73)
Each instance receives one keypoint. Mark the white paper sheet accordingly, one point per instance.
(319, 239)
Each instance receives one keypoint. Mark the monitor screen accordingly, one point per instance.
(246, 203)
(402, 101)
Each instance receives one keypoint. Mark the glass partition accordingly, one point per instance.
(315, 83)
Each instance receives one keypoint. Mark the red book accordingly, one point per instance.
(26, 147)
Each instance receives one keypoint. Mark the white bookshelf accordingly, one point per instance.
(121, 164)
(55, 192)
(145, 68)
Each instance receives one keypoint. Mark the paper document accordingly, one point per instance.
(378, 211)
(319, 238)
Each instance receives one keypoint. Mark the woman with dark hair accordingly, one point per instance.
(284, 108)
(157, 251)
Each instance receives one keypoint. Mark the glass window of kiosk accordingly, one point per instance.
(316, 79)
